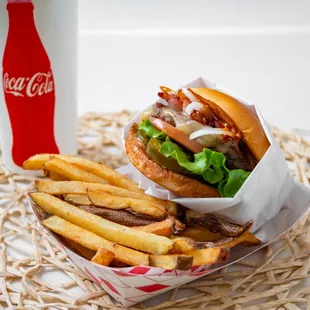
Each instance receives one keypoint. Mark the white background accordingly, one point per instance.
(258, 49)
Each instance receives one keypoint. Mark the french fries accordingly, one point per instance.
(54, 176)
(126, 236)
(103, 257)
(119, 203)
(163, 228)
(214, 224)
(78, 248)
(183, 244)
(76, 199)
(106, 218)
(206, 256)
(199, 234)
(227, 242)
(204, 235)
(94, 242)
(172, 261)
(190, 259)
(116, 263)
(37, 162)
(117, 216)
(251, 240)
(172, 208)
(103, 171)
(178, 226)
(112, 177)
(70, 172)
(78, 187)
(83, 251)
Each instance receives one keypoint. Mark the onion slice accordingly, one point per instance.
(195, 106)
(188, 94)
(162, 101)
(210, 131)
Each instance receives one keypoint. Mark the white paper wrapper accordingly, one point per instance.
(134, 284)
(261, 196)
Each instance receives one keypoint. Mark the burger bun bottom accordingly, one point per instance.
(180, 185)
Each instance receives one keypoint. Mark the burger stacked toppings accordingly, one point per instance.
(197, 142)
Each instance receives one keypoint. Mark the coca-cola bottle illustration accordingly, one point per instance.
(28, 86)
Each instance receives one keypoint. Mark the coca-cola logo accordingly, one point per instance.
(37, 85)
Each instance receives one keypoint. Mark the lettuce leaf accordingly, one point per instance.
(149, 130)
(208, 164)
(230, 186)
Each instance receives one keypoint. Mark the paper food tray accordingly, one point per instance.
(135, 284)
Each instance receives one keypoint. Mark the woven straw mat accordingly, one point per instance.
(277, 280)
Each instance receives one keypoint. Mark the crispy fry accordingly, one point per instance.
(78, 248)
(64, 187)
(172, 261)
(251, 240)
(178, 226)
(99, 200)
(163, 228)
(118, 216)
(119, 203)
(204, 235)
(172, 208)
(103, 171)
(183, 244)
(103, 257)
(76, 199)
(214, 223)
(71, 172)
(199, 234)
(116, 263)
(37, 162)
(78, 187)
(54, 176)
(227, 242)
(94, 242)
(126, 236)
(206, 256)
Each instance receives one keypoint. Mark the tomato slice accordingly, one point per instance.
(177, 135)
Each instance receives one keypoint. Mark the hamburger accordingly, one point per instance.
(197, 142)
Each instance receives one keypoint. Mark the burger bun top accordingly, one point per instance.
(237, 116)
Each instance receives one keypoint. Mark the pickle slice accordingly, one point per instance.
(170, 163)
